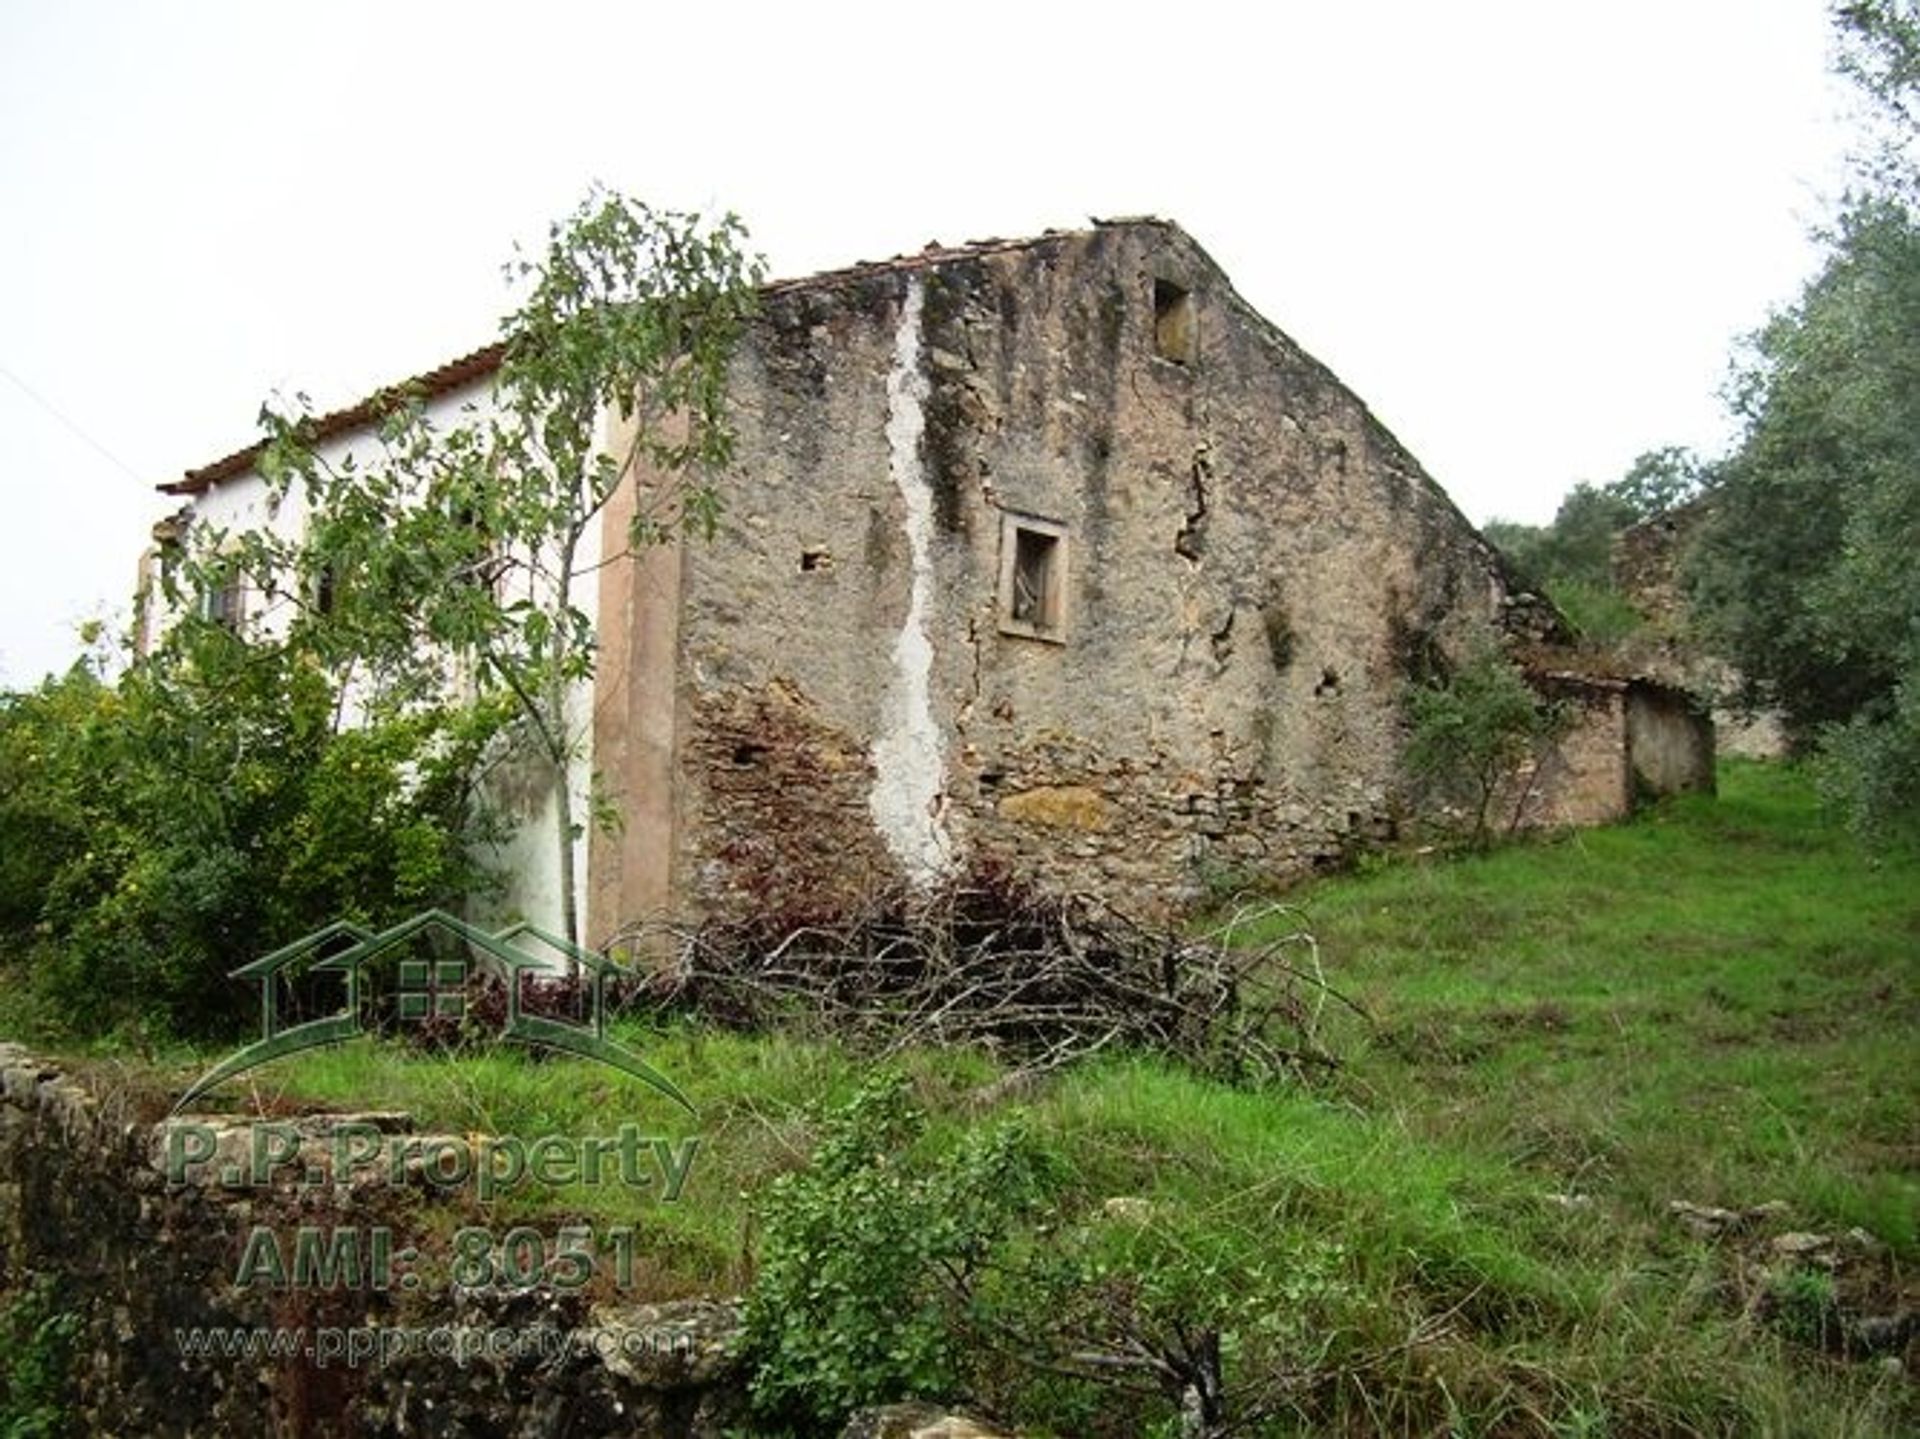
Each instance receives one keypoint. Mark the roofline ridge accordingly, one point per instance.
(477, 364)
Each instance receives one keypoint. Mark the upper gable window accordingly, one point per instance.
(1033, 578)
(1174, 336)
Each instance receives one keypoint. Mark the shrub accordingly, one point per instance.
(1472, 730)
(866, 1259)
(36, 1338)
(1143, 1310)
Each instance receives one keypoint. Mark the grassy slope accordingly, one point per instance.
(1715, 1003)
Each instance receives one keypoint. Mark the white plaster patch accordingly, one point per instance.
(908, 760)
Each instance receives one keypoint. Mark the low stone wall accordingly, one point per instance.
(86, 1202)
(1670, 742)
(146, 1251)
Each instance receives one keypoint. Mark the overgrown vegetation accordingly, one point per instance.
(1805, 571)
(453, 555)
(314, 732)
(36, 1358)
(158, 830)
(1469, 1230)
(865, 1263)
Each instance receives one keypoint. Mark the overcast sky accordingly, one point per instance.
(1528, 234)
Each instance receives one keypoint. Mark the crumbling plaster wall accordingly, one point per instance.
(1253, 565)
(1670, 742)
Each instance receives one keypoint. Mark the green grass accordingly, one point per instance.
(1714, 1003)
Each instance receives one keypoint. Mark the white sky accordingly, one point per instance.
(1527, 234)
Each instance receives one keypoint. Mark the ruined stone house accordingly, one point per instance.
(1051, 554)
(1648, 563)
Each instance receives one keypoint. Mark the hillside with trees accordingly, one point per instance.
(1800, 572)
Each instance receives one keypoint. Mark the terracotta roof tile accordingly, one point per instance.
(429, 385)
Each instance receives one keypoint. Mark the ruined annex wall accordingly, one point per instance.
(1250, 567)
(1670, 742)
(86, 1207)
(1648, 562)
(1624, 741)
(1584, 777)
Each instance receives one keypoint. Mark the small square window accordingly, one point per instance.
(326, 589)
(1033, 578)
(1173, 323)
(226, 602)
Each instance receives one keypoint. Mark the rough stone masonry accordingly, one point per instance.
(1050, 553)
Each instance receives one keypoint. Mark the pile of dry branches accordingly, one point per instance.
(1037, 979)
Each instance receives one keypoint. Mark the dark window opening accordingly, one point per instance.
(1033, 556)
(1033, 578)
(1173, 323)
(812, 560)
(748, 753)
(226, 603)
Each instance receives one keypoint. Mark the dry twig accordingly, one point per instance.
(1038, 979)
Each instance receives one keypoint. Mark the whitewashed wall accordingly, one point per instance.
(529, 858)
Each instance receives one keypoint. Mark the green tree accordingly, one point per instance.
(1805, 572)
(1572, 558)
(1577, 548)
(1659, 480)
(454, 558)
(207, 808)
(248, 782)
(1878, 48)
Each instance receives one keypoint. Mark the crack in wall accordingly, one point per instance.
(975, 681)
(1190, 542)
(908, 798)
(1222, 639)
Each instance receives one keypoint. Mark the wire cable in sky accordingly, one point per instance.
(52, 409)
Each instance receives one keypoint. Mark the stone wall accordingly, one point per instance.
(1670, 741)
(1648, 561)
(1583, 778)
(85, 1203)
(1248, 567)
(1627, 739)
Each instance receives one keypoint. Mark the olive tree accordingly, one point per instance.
(1804, 574)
